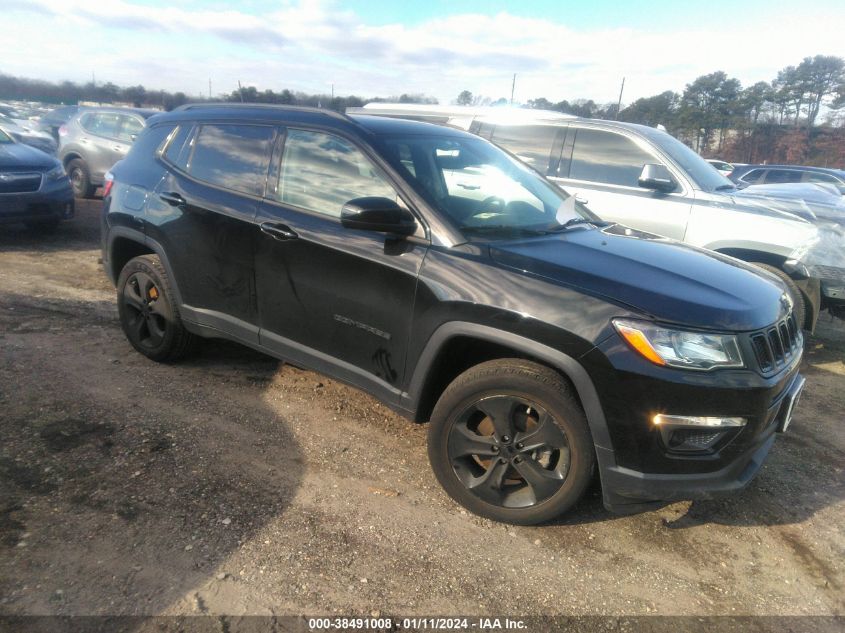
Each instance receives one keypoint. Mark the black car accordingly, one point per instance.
(433, 270)
(745, 175)
(34, 188)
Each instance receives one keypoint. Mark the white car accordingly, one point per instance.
(645, 178)
(721, 166)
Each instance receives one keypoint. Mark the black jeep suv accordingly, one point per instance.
(433, 270)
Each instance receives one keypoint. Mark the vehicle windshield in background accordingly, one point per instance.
(699, 170)
(485, 192)
(4, 138)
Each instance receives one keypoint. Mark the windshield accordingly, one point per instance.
(484, 192)
(702, 173)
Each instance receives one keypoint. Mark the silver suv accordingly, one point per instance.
(94, 140)
(644, 178)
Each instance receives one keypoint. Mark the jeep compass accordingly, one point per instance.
(429, 268)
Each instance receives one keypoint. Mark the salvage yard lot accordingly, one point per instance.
(232, 483)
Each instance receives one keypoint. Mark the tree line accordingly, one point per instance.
(773, 121)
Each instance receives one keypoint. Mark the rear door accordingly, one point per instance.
(334, 298)
(601, 168)
(203, 214)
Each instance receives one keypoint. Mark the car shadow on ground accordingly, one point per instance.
(125, 484)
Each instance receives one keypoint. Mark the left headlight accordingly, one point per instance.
(680, 348)
(56, 173)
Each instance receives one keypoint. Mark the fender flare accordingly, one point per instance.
(140, 237)
(568, 366)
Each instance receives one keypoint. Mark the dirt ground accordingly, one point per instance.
(234, 484)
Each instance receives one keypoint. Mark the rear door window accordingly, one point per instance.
(234, 157)
(102, 123)
(532, 144)
(606, 157)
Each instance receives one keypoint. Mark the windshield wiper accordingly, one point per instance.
(572, 222)
(725, 187)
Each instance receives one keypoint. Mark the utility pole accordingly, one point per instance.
(619, 103)
(332, 92)
(209, 88)
(240, 91)
(513, 87)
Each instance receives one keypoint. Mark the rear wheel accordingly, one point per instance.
(509, 441)
(80, 178)
(799, 310)
(148, 312)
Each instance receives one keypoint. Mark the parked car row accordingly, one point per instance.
(427, 266)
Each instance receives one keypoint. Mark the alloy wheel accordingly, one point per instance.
(509, 451)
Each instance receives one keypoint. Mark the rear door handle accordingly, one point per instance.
(173, 199)
(277, 231)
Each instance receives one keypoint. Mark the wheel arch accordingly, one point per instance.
(751, 255)
(125, 243)
(72, 155)
(435, 369)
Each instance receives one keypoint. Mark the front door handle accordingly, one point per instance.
(173, 199)
(277, 231)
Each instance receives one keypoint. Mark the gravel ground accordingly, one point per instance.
(234, 484)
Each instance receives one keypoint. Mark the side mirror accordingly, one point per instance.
(377, 214)
(657, 177)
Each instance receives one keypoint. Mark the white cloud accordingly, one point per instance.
(311, 44)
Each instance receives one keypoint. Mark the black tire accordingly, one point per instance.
(80, 179)
(533, 475)
(148, 312)
(799, 309)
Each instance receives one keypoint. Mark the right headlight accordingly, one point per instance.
(680, 348)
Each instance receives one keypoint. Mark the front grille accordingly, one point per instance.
(775, 346)
(12, 182)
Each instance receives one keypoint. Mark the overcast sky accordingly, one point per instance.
(559, 49)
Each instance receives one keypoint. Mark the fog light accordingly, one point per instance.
(661, 419)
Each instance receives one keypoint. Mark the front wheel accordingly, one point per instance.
(509, 441)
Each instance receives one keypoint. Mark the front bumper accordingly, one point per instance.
(640, 471)
(53, 201)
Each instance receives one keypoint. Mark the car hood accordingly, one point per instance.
(16, 156)
(658, 277)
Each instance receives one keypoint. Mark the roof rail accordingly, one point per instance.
(262, 106)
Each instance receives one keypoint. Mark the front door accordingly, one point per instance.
(337, 299)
